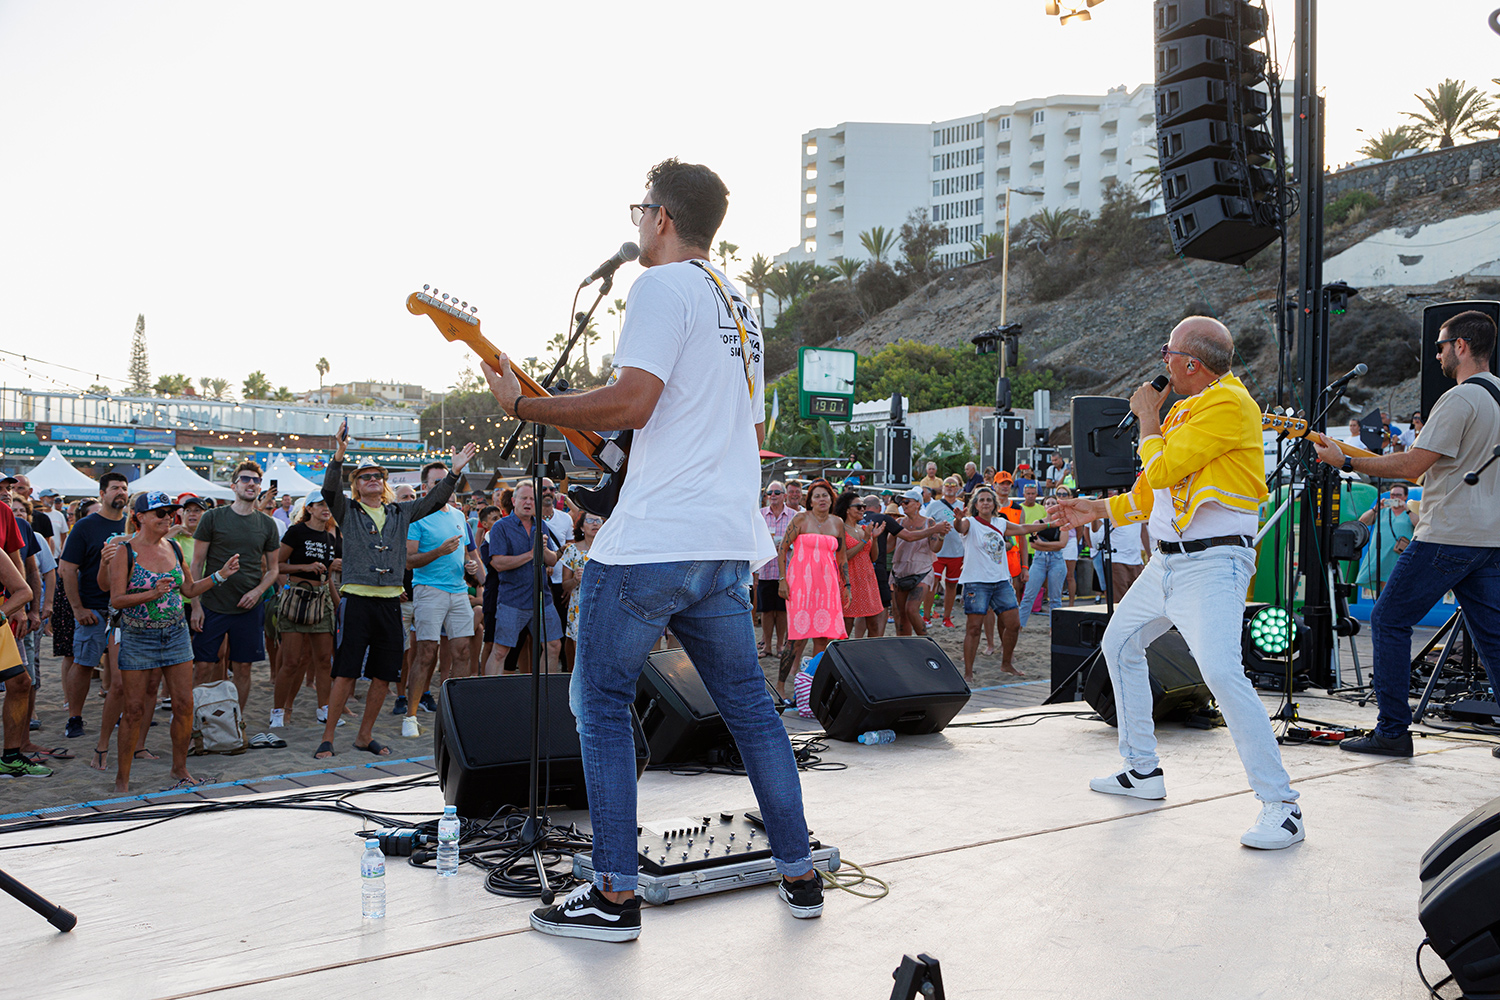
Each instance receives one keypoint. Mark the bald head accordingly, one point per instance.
(1206, 339)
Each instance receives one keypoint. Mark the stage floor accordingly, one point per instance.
(1002, 864)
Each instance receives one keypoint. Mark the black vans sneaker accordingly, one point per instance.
(804, 897)
(585, 913)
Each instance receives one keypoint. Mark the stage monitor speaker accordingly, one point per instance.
(1076, 634)
(678, 716)
(904, 683)
(1100, 460)
(1434, 382)
(1460, 903)
(482, 744)
(1177, 688)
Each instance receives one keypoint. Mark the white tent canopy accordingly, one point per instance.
(56, 473)
(289, 482)
(173, 476)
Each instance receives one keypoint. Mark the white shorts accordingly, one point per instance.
(440, 613)
(408, 619)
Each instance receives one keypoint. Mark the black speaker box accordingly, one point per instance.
(1460, 902)
(1175, 18)
(1434, 382)
(482, 744)
(1177, 688)
(1219, 228)
(1076, 634)
(1100, 460)
(903, 683)
(678, 716)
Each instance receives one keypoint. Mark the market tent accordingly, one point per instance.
(173, 476)
(56, 473)
(289, 482)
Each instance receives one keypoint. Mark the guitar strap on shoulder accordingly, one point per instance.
(739, 325)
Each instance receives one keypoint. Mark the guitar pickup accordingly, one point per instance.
(611, 456)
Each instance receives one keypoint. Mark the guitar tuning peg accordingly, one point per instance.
(463, 305)
(426, 287)
(474, 310)
(445, 296)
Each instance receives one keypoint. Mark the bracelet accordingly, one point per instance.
(515, 408)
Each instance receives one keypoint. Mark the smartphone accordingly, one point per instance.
(344, 430)
(273, 484)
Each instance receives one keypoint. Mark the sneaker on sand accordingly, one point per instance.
(323, 716)
(585, 913)
(1280, 825)
(1129, 782)
(24, 767)
(400, 707)
(410, 726)
(428, 703)
(75, 727)
(804, 897)
(278, 718)
(1384, 746)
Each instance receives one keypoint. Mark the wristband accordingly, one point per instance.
(515, 408)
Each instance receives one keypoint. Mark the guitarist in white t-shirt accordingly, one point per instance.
(678, 549)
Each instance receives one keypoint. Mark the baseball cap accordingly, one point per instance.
(1005, 476)
(915, 493)
(8, 479)
(316, 496)
(194, 500)
(1023, 465)
(154, 500)
(47, 493)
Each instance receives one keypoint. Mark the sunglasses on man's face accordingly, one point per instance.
(370, 477)
(249, 479)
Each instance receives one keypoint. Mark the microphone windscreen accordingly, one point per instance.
(1359, 369)
(629, 251)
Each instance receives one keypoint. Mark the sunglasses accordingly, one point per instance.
(774, 493)
(249, 479)
(367, 477)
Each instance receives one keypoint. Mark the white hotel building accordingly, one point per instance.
(860, 175)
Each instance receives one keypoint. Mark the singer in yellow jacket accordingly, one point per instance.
(1200, 490)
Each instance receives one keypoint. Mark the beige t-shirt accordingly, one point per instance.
(1463, 428)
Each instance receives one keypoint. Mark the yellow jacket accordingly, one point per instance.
(1209, 449)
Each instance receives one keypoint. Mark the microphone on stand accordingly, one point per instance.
(628, 251)
(1159, 383)
(1347, 377)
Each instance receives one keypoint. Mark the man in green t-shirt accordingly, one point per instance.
(1032, 509)
(235, 607)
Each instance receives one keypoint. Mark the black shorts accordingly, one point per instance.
(9, 672)
(883, 581)
(371, 644)
(768, 596)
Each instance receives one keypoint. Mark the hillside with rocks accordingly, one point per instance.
(1102, 336)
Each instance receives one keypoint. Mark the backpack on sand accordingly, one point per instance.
(217, 726)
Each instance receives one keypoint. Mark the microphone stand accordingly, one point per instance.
(535, 830)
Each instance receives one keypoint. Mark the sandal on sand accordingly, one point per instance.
(145, 754)
(185, 783)
(56, 753)
(324, 751)
(266, 741)
(100, 761)
(375, 747)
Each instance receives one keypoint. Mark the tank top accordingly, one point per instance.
(164, 611)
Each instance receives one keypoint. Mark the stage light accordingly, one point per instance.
(1051, 8)
(1077, 15)
(1271, 630)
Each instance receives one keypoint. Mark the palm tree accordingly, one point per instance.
(172, 385)
(257, 386)
(780, 287)
(282, 395)
(618, 312)
(989, 245)
(755, 280)
(1053, 225)
(726, 251)
(206, 384)
(1453, 109)
(822, 274)
(877, 243)
(219, 388)
(801, 275)
(849, 268)
(1388, 142)
(322, 366)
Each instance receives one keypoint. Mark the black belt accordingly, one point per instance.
(1200, 544)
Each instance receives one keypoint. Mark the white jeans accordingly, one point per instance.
(1203, 594)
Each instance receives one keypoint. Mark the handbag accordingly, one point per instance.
(301, 605)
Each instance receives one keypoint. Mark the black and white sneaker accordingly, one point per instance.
(1279, 825)
(804, 897)
(585, 913)
(1130, 782)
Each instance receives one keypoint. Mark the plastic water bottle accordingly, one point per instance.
(875, 736)
(372, 881)
(447, 849)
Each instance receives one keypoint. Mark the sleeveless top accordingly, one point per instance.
(163, 612)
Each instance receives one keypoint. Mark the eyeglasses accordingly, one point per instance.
(548, 489)
(369, 477)
(857, 506)
(593, 521)
(1167, 349)
(638, 212)
(249, 479)
(774, 493)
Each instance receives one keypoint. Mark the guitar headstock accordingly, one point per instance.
(1286, 426)
(454, 319)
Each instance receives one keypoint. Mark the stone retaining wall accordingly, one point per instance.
(1420, 173)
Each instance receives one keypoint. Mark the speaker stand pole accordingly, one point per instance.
(1454, 626)
(55, 915)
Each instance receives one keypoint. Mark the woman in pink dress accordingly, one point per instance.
(814, 579)
(864, 604)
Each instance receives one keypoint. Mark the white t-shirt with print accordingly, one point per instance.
(985, 560)
(694, 475)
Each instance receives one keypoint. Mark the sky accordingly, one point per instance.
(267, 181)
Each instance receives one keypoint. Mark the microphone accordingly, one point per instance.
(1159, 383)
(1344, 379)
(627, 251)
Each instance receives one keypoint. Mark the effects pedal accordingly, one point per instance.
(694, 855)
(1324, 737)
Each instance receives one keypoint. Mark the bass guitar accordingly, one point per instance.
(1295, 427)
(459, 321)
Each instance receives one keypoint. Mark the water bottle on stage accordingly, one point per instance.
(447, 849)
(372, 881)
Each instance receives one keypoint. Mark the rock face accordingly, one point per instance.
(1103, 337)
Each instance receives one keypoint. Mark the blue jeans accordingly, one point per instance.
(1047, 568)
(622, 611)
(1424, 573)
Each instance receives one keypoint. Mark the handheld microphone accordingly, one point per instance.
(627, 251)
(1345, 379)
(1159, 383)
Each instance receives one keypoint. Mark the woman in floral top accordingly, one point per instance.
(148, 581)
(573, 559)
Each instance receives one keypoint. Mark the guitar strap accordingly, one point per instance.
(740, 326)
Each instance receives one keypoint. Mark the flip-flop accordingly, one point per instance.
(56, 753)
(323, 748)
(148, 754)
(184, 783)
(100, 761)
(266, 741)
(375, 747)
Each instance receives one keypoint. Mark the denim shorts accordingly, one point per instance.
(155, 648)
(981, 598)
(89, 641)
(510, 622)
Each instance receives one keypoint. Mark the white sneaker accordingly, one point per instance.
(323, 716)
(1128, 782)
(1280, 825)
(278, 718)
(410, 726)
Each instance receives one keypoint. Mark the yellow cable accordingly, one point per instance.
(837, 880)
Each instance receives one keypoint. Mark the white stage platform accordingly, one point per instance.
(1001, 863)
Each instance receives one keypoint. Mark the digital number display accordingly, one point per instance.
(828, 406)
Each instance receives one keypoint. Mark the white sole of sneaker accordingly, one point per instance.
(800, 912)
(611, 934)
(1273, 845)
(1109, 786)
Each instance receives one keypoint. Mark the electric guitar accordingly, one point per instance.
(459, 321)
(1296, 427)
